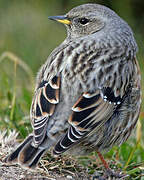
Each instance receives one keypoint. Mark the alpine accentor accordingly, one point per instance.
(87, 94)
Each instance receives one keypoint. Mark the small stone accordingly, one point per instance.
(69, 177)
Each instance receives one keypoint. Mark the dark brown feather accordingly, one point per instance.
(89, 112)
(43, 107)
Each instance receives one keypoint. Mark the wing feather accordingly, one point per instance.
(89, 112)
(43, 106)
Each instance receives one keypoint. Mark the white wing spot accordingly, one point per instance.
(118, 102)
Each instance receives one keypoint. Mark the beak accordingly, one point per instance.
(61, 19)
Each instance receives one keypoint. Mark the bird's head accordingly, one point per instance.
(86, 19)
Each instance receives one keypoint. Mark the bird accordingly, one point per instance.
(88, 92)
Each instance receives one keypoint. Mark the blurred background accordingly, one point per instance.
(26, 39)
(26, 31)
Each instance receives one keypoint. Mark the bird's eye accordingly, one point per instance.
(83, 21)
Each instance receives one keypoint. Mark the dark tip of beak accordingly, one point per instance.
(57, 18)
(61, 19)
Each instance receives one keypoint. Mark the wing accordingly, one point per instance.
(93, 109)
(43, 106)
(89, 112)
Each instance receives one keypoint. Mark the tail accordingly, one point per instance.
(26, 155)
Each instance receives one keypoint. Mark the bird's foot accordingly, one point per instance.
(110, 174)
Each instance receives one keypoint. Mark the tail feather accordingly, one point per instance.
(36, 159)
(30, 156)
(13, 157)
(26, 155)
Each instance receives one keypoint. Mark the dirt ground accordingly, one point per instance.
(14, 172)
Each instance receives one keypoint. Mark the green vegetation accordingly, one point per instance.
(26, 39)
